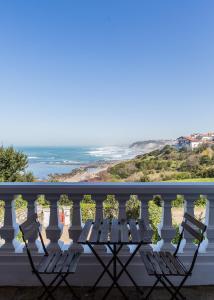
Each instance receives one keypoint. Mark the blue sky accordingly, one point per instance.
(105, 72)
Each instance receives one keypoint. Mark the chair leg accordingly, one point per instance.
(70, 288)
(174, 288)
(52, 282)
(167, 288)
(45, 287)
(152, 288)
(177, 290)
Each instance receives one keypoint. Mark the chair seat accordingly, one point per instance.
(163, 263)
(59, 262)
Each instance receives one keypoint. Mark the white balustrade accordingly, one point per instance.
(210, 224)
(31, 209)
(53, 231)
(189, 203)
(7, 231)
(122, 191)
(76, 222)
(99, 199)
(144, 215)
(99, 191)
(166, 230)
(122, 199)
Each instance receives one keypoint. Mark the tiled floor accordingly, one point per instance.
(30, 293)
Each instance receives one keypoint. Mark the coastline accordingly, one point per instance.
(87, 173)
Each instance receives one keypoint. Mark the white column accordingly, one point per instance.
(76, 222)
(7, 231)
(122, 199)
(210, 223)
(99, 217)
(189, 202)
(53, 231)
(144, 215)
(30, 211)
(166, 230)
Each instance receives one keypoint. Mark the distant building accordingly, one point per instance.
(194, 140)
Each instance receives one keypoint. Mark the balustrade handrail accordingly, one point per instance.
(108, 188)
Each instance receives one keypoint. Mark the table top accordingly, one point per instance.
(114, 232)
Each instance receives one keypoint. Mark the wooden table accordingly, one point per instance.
(115, 234)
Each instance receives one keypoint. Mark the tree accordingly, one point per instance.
(13, 166)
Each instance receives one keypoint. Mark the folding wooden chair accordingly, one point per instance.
(58, 263)
(163, 265)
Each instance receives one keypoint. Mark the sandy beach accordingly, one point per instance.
(91, 172)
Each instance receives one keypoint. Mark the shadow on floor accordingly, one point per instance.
(31, 293)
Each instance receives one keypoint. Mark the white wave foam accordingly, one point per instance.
(33, 157)
(113, 152)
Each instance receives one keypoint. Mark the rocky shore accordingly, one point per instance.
(87, 173)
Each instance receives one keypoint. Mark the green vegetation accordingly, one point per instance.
(167, 164)
(13, 166)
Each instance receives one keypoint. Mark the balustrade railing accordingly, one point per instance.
(144, 192)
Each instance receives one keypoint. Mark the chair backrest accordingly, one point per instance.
(28, 229)
(196, 229)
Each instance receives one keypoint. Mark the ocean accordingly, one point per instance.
(55, 160)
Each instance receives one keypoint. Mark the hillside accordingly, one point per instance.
(164, 164)
(150, 145)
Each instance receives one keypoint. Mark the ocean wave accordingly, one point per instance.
(33, 157)
(112, 152)
(63, 162)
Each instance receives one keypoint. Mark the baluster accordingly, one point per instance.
(30, 211)
(76, 223)
(166, 230)
(122, 199)
(99, 217)
(210, 223)
(144, 199)
(7, 231)
(53, 231)
(189, 201)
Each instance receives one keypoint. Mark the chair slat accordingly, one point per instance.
(124, 231)
(147, 263)
(30, 220)
(30, 230)
(85, 234)
(104, 234)
(143, 232)
(45, 262)
(74, 263)
(192, 231)
(175, 263)
(115, 230)
(60, 262)
(194, 221)
(53, 262)
(67, 262)
(154, 263)
(133, 231)
(168, 262)
(162, 264)
(94, 236)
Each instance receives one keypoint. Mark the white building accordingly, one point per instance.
(194, 140)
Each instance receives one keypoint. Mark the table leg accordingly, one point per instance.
(124, 268)
(126, 271)
(108, 272)
(104, 271)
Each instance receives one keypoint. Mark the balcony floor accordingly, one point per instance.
(28, 293)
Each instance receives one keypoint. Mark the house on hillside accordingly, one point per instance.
(194, 140)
